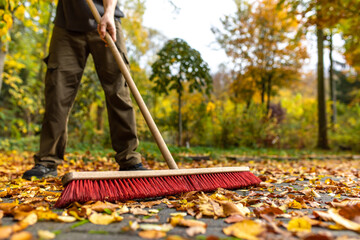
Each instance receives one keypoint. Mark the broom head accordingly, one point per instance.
(115, 186)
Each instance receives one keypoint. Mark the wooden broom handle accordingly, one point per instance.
(139, 100)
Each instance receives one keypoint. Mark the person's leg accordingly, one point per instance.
(118, 102)
(65, 64)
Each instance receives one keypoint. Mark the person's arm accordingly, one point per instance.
(107, 21)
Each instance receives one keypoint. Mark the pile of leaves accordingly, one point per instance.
(302, 199)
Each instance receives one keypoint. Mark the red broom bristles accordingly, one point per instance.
(146, 187)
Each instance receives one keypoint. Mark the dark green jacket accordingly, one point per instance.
(75, 15)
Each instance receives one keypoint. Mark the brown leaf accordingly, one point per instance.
(22, 236)
(267, 210)
(351, 212)
(152, 234)
(235, 219)
(8, 207)
(192, 231)
(230, 208)
(192, 223)
(318, 236)
(101, 206)
(150, 204)
(139, 211)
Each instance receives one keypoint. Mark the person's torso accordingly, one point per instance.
(75, 15)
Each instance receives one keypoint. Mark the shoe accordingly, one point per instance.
(39, 171)
(135, 167)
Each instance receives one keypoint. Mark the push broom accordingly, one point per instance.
(125, 185)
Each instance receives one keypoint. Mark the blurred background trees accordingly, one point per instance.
(267, 96)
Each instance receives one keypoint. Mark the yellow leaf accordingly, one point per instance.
(29, 220)
(67, 219)
(46, 215)
(299, 225)
(157, 227)
(295, 204)
(104, 219)
(246, 229)
(152, 234)
(44, 234)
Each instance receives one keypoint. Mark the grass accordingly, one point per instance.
(150, 150)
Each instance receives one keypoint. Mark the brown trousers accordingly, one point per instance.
(65, 65)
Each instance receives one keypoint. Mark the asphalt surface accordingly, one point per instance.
(89, 231)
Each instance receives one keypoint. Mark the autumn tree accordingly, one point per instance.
(261, 42)
(321, 14)
(178, 65)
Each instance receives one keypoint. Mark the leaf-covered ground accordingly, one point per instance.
(298, 199)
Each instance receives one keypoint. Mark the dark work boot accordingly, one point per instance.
(39, 171)
(135, 167)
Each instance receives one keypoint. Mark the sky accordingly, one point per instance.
(191, 23)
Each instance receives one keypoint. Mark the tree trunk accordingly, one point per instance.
(332, 81)
(2, 63)
(99, 118)
(269, 86)
(262, 90)
(322, 128)
(179, 120)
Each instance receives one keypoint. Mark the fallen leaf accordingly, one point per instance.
(5, 232)
(247, 229)
(8, 207)
(150, 204)
(230, 208)
(46, 215)
(268, 210)
(22, 236)
(348, 224)
(30, 219)
(234, 219)
(152, 234)
(101, 206)
(295, 204)
(66, 219)
(192, 231)
(139, 211)
(104, 219)
(299, 225)
(157, 227)
(192, 223)
(122, 210)
(325, 216)
(318, 236)
(175, 237)
(44, 234)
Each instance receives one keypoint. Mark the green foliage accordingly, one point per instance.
(346, 133)
(179, 63)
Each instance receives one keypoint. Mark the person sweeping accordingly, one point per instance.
(76, 34)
